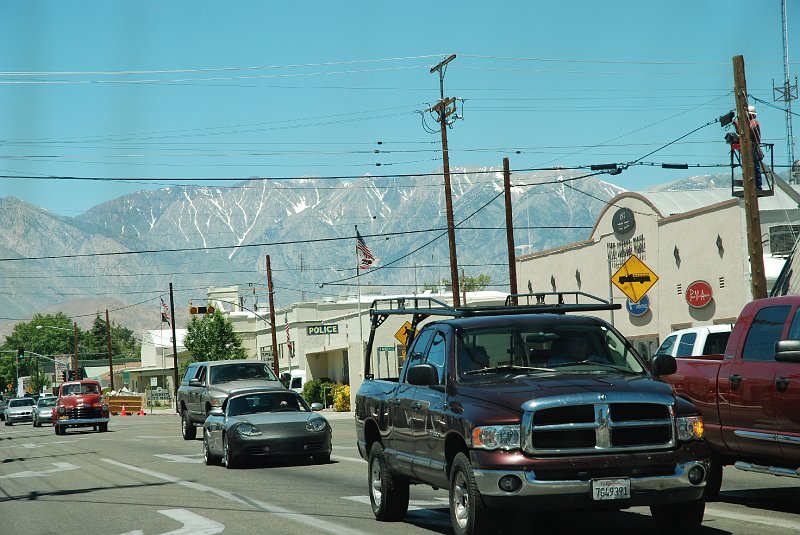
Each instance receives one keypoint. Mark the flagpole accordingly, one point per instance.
(358, 291)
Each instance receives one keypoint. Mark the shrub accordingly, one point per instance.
(312, 390)
(341, 398)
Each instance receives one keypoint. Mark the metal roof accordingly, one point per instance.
(671, 202)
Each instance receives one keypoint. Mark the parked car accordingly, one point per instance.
(19, 410)
(80, 404)
(528, 407)
(43, 412)
(3, 404)
(749, 396)
(207, 384)
(697, 341)
(261, 423)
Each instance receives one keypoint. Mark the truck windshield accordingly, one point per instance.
(541, 349)
(241, 371)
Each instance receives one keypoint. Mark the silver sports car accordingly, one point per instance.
(265, 423)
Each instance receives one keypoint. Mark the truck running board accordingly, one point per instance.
(773, 470)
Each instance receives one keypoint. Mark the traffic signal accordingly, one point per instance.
(71, 375)
(201, 310)
(20, 353)
(63, 375)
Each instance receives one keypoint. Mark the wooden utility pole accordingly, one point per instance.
(75, 360)
(444, 110)
(176, 380)
(758, 280)
(275, 367)
(110, 361)
(512, 259)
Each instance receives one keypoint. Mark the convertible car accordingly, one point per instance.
(257, 424)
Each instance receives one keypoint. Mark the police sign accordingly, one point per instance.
(312, 330)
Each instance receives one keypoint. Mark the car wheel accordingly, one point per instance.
(387, 494)
(714, 480)
(227, 455)
(468, 514)
(685, 517)
(58, 429)
(209, 457)
(103, 427)
(188, 430)
(322, 458)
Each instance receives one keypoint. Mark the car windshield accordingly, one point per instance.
(224, 373)
(47, 402)
(492, 354)
(260, 402)
(21, 402)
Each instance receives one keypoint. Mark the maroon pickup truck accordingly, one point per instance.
(527, 407)
(750, 396)
(80, 404)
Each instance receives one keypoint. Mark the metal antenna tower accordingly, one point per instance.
(787, 93)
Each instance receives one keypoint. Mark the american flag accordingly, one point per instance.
(364, 255)
(164, 312)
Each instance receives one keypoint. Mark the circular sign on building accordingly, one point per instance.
(699, 294)
(639, 308)
(623, 222)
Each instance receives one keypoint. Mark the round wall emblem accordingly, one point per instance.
(699, 294)
(623, 222)
(638, 309)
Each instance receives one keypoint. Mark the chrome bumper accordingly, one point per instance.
(488, 483)
(80, 421)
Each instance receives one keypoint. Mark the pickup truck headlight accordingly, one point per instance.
(496, 437)
(217, 402)
(690, 428)
(248, 430)
(316, 424)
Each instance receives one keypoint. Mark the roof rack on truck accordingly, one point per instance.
(421, 308)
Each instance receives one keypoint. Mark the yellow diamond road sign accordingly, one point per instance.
(634, 278)
(402, 334)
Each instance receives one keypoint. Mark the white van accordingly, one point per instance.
(296, 379)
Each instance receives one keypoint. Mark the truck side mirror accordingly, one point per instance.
(423, 375)
(787, 350)
(195, 382)
(662, 364)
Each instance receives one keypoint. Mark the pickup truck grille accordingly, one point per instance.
(80, 413)
(600, 427)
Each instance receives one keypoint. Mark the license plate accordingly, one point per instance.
(611, 489)
(63, 417)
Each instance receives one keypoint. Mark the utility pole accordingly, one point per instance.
(512, 260)
(75, 360)
(758, 281)
(444, 110)
(110, 362)
(275, 367)
(176, 380)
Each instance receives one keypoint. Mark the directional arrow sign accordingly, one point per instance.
(193, 524)
(59, 467)
(634, 278)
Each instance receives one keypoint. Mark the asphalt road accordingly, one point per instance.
(142, 478)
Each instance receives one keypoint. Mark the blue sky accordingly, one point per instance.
(126, 91)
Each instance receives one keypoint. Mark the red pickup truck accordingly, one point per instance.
(80, 404)
(750, 396)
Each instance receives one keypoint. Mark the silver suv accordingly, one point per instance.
(207, 384)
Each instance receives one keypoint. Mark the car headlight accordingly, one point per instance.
(217, 402)
(496, 437)
(316, 424)
(61, 410)
(690, 428)
(249, 430)
(104, 408)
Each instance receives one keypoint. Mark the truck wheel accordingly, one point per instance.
(683, 517)
(103, 427)
(188, 429)
(388, 495)
(714, 480)
(468, 514)
(227, 456)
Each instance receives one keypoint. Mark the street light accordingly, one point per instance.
(75, 330)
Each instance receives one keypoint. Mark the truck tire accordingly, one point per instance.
(103, 427)
(188, 430)
(685, 517)
(468, 514)
(714, 480)
(387, 494)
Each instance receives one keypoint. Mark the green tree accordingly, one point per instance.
(123, 344)
(211, 337)
(468, 284)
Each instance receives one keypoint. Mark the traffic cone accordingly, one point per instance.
(141, 411)
(123, 413)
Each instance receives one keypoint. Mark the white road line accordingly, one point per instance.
(344, 458)
(59, 467)
(316, 523)
(191, 458)
(413, 505)
(193, 524)
(793, 525)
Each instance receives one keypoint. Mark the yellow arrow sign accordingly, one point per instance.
(634, 278)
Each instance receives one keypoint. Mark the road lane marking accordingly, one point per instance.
(413, 505)
(753, 519)
(190, 458)
(316, 523)
(59, 467)
(193, 524)
(344, 458)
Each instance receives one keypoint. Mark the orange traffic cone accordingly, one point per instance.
(123, 413)
(141, 411)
